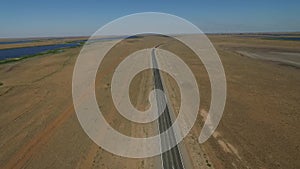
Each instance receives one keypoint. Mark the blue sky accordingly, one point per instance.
(30, 18)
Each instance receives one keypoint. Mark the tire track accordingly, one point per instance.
(25, 153)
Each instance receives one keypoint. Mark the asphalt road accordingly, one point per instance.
(171, 159)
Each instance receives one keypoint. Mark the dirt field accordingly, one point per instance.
(259, 128)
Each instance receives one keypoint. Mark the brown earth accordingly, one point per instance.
(259, 127)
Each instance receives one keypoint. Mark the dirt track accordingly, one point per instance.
(259, 128)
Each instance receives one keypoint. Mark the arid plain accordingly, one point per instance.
(259, 128)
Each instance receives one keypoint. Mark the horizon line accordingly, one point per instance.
(206, 33)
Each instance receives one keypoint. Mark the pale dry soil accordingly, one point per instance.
(259, 127)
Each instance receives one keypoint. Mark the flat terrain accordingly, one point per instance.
(259, 128)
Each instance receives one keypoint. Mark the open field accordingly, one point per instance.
(259, 128)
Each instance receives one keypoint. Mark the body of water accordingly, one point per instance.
(21, 52)
(283, 38)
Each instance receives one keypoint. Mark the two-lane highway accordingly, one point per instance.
(171, 159)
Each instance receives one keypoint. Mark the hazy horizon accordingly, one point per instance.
(29, 19)
(87, 36)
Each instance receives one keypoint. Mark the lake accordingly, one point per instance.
(25, 51)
